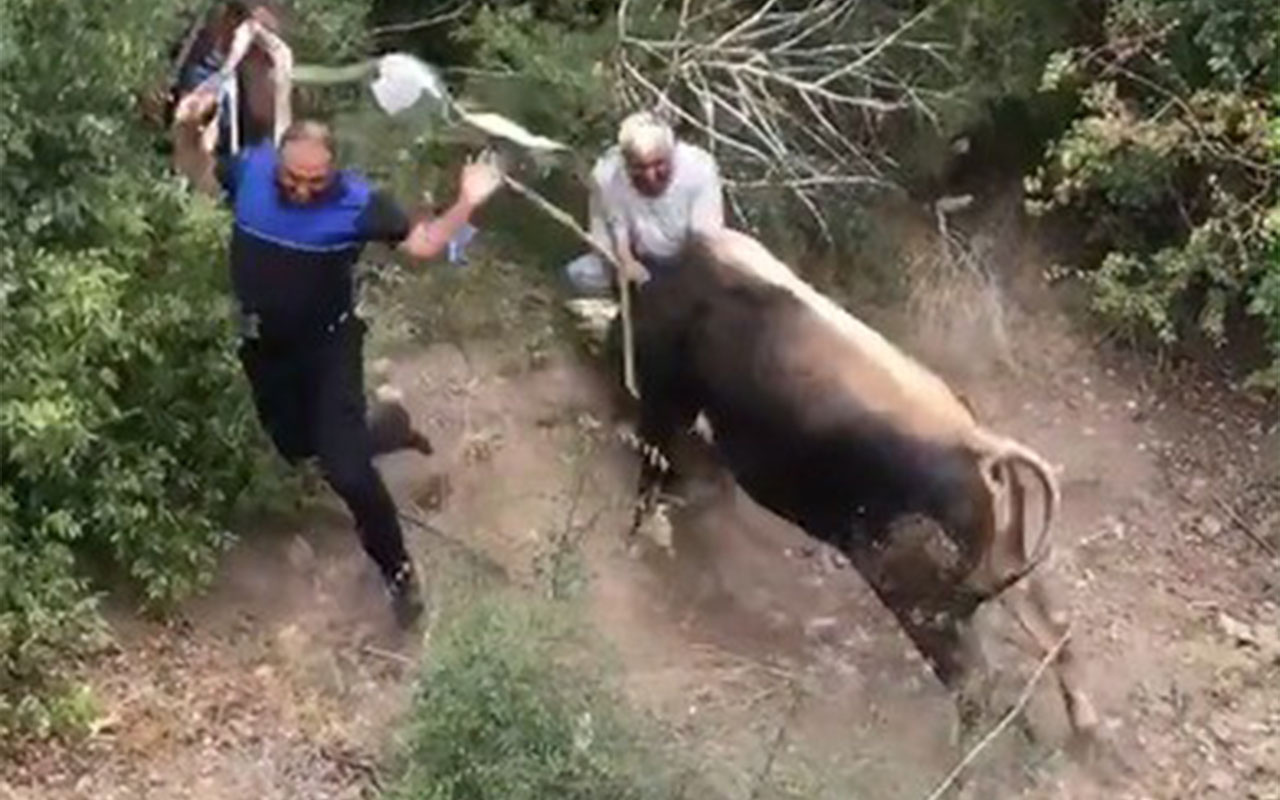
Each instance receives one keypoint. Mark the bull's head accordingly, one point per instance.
(1003, 558)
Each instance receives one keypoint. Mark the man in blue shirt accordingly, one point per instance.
(300, 225)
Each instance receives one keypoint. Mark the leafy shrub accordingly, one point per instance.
(509, 709)
(127, 439)
(1174, 163)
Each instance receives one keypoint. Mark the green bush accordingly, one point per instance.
(127, 439)
(509, 708)
(1174, 165)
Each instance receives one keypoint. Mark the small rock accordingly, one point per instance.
(822, 628)
(302, 557)
(837, 560)
(1222, 780)
(1210, 526)
(1240, 632)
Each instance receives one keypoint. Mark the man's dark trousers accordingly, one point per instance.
(310, 398)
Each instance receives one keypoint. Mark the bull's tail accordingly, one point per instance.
(998, 453)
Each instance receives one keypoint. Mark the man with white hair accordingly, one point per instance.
(649, 192)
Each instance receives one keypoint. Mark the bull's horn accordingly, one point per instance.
(997, 449)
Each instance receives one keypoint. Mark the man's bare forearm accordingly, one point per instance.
(430, 235)
(192, 160)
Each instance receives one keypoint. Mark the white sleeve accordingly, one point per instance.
(707, 210)
(598, 224)
(607, 223)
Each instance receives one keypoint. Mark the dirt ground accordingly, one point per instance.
(773, 667)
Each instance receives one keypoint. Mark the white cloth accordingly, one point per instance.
(656, 226)
(589, 275)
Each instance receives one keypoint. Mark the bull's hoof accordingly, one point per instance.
(973, 712)
(655, 527)
(1084, 717)
(635, 548)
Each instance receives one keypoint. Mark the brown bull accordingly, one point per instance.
(824, 422)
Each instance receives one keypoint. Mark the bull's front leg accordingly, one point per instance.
(658, 427)
(652, 443)
(1039, 609)
(668, 404)
(666, 409)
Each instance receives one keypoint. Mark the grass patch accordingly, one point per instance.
(513, 704)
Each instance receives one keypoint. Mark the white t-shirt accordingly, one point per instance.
(656, 226)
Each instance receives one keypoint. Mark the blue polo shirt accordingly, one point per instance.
(292, 265)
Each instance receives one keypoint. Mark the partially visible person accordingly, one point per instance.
(649, 193)
(259, 86)
(300, 224)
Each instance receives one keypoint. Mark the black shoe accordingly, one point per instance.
(406, 598)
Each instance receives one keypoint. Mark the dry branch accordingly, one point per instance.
(1005, 721)
(435, 20)
(783, 94)
(779, 737)
(1244, 527)
(388, 655)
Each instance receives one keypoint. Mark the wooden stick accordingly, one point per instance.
(559, 215)
(398, 658)
(1005, 721)
(1245, 527)
(628, 346)
(775, 746)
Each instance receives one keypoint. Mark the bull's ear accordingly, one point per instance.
(993, 480)
(1008, 500)
(997, 478)
(1016, 536)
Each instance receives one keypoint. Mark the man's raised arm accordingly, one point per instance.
(190, 155)
(428, 237)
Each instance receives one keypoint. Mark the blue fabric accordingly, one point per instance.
(196, 73)
(457, 247)
(292, 265)
(589, 276)
(331, 223)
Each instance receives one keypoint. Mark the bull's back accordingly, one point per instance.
(820, 336)
(797, 436)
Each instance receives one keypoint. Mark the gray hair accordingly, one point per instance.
(645, 133)
(309, 130)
